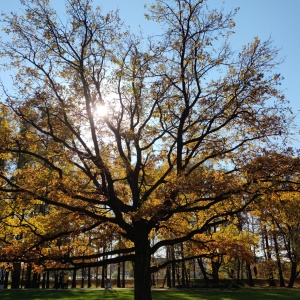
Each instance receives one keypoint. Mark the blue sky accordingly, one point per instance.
(263, 18)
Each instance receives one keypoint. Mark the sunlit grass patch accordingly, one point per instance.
(172, 294)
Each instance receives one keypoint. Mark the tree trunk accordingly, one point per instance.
(242, 272)
(269, 256)
(119, 275)
(82, 277)
(238, 271)
(97, 277)
(168, 277)
(173, 266)
(104, 276)
(74, 279)
(183, 267)
(48, 280)
(142, 272)
(123, 274)
(168, 269)
(28, 276)
(44, 280)
(280, 272)
(89, 277)
(16, 275)
(23, 276)
(215, 265)
(56, 283)
(6, 278)
(153, 281)
(39, 280)
(215, 272)
(294, 274)
(203, 270)
(178, 276)
(249, 274)
(34, 284)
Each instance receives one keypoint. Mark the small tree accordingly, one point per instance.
(278, 210)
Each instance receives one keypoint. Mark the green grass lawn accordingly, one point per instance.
(173, 294)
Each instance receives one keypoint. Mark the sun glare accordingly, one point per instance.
(101, 110)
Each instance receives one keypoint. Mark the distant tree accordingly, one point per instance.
(184, 115)
(278, 210)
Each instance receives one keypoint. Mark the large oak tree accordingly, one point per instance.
(184, 114)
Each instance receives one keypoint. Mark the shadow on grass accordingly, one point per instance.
(173, 294)
(75, 294)
(226, 294)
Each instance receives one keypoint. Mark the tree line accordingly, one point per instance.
(259, 242)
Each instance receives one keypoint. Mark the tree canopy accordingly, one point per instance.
(185, 118)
